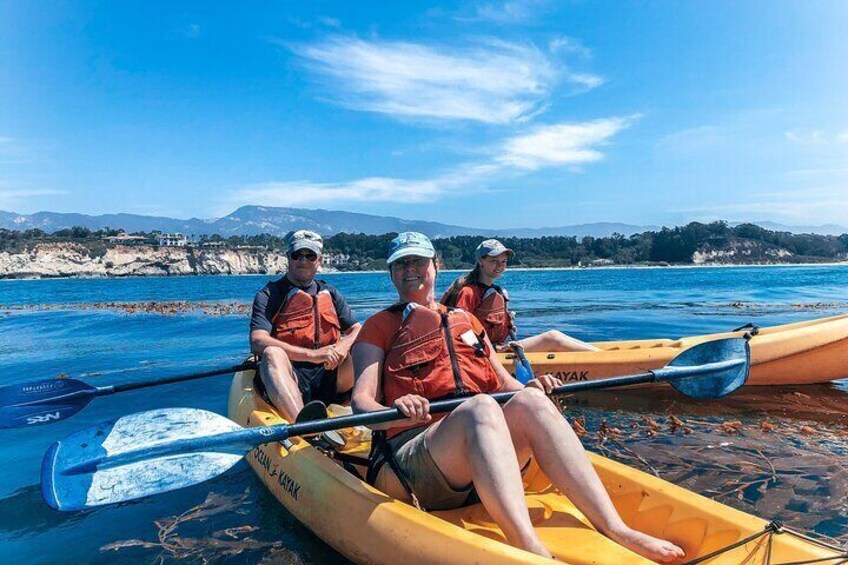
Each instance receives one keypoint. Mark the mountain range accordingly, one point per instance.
(253, 220)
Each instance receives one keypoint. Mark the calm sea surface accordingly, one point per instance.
(796, 472)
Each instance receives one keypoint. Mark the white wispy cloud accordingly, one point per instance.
(562, 144)
(806, 137)
(468, 176)
(688, 142)
(10, 198)
(371, 189)
(492, 81)
(330, 22)
(802, 136)
(509, 12)
(586, 81)
(809, 204)
(569, 45)
(27, 193)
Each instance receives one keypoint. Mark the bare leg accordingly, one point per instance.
(472, 444)
(280, 382)
(553, 340)
(537, 426)
(344, 382)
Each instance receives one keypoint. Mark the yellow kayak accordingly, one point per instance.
(814, 351)
(368, 526)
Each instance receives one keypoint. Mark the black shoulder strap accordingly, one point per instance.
(381, 453)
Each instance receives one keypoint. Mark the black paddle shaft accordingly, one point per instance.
(394, 414)
(178, 378)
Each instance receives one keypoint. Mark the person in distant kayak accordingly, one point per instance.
(477, 293)
(419, 351)
(302, 331)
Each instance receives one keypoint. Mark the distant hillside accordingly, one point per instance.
(255, 220)
(80, 252)
(824, 229)
(53, 221)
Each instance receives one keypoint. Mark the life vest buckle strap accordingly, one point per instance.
(457, 375)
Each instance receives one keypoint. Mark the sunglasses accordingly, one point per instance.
(416, 262)
(308, 255)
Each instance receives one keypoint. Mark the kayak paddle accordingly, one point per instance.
(523, 369)
(161, 450)
(52, 400)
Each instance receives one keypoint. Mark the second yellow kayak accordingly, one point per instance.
(814, 351)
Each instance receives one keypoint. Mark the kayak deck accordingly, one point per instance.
(813, 351)
(367, 526)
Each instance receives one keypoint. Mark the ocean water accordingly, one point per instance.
(232, 519)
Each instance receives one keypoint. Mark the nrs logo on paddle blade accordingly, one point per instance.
(43, 418)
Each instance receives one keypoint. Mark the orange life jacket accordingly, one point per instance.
(494, 314)
(436, 355)
(307, 321)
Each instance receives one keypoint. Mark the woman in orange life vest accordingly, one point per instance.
(477, 293)
(418, 351)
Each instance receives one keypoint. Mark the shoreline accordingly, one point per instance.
(241, 308)
(367, 272)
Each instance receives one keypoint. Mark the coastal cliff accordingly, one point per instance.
(742, 252)
(75, 260)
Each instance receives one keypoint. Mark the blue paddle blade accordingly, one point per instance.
(709, 370)
(523, 371)
(43, 402)
(124, 459)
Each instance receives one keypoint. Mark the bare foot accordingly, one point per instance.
(652, 548)
(538, 548)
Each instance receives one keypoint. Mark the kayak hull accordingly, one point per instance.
(814, 351)
(367, 526)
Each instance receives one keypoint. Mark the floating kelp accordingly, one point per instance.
(172, 545)
(779, 469)
(162, 308)
(759, 307)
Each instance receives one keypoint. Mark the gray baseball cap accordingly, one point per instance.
(305, 239)
(492, 248)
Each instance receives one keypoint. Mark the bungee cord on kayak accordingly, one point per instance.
(775, 529)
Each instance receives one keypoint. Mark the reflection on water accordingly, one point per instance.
(24, 514)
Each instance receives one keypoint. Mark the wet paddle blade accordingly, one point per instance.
(136, 456)
(43, 402)
(709, 370)
(523, 372)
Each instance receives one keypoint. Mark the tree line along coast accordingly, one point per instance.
(692, 244)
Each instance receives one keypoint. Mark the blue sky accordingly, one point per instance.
(500, 114)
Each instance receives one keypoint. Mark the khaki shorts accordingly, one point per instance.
(425, 478)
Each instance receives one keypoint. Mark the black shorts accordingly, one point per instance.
(315, 382)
